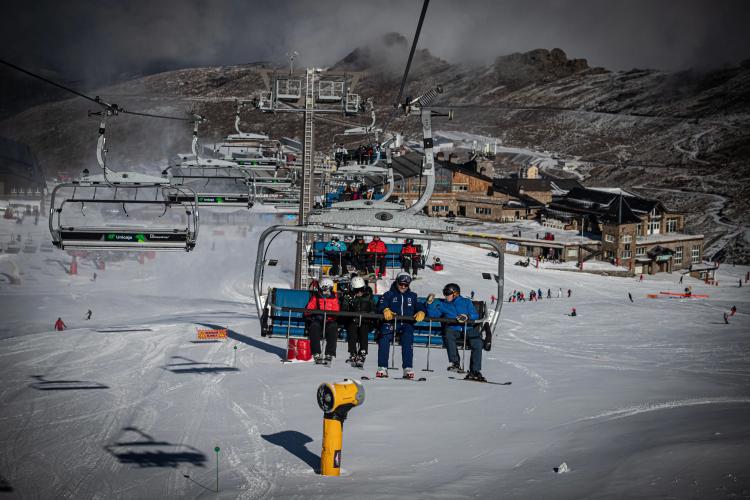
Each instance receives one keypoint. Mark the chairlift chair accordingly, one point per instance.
(279, 309)
(145, 219)
(99, 216)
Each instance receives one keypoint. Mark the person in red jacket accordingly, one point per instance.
(60, 325)
(410, 258)
(377, 251)
(323, 299)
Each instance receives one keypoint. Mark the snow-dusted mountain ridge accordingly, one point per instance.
(681, 137)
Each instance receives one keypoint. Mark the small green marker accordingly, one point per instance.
(217, 449)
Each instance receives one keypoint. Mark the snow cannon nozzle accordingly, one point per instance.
(336, 399)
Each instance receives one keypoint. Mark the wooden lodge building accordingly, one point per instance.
(627, 230)
(638, 233)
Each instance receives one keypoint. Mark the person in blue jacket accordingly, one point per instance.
(461, 309)
(335, 251)
(398, 301)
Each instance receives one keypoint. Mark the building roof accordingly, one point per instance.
(618, 212)
(469, 168)
(562, 186)
(596, 198)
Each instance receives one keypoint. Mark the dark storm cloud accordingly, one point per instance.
(100, 40)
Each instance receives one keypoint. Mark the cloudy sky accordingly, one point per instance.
(97, 40)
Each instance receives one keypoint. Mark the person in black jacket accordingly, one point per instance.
(358, 299)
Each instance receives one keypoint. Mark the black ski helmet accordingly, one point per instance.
(451, 288)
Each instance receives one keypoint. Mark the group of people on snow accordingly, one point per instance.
(399, 309)
(535, 295)
(370, 257)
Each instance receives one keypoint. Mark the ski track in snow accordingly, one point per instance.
(667, 405)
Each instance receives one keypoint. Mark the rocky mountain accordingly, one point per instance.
(682, 137)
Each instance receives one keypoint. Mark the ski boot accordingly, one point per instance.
(382, 372)
(353, 358)
(328, 360)
(361, 359)
(409, 373)
(455, 367)
(318, 359)
(476, 376)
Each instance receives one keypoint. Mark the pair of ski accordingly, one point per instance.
(423, 379)
(415, 379)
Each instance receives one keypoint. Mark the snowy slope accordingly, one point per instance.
(644, 399)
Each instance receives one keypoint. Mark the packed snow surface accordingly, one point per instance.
(647, 399)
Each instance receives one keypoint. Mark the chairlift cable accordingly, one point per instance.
(397, 102)
(112, 107)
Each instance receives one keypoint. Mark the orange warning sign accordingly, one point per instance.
(212, 334)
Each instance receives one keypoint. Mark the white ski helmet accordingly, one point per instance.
(357, 283)
(403, 277)
(326, 285)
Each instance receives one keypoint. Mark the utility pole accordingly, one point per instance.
(322, 93)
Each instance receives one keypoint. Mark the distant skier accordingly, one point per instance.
(492, 300)
(641, 278)
(740, 282)
(88, 315)
(559, 293)
(549, 293)
(60, 325)
(630, 296)
(726, 318)
(681, 277)
(93, 278)
(573, 312)
(569, 292)
(472, 295)
(539, 294)
(733, 310)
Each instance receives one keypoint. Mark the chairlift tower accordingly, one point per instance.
(321, 92)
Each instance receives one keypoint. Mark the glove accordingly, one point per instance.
(430, 298)
(388, 314)
(419, 316)
(462, 318)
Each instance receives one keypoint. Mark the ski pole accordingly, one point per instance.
(463, 356)
(393, 346)
(288, 327)
(323, 333)
(429, 342)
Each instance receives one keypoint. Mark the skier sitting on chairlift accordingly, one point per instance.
(334, 251)
(410, 258)
(323, 299)
(358, 299)
(377, 252)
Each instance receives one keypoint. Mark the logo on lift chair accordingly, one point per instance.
(383, 216)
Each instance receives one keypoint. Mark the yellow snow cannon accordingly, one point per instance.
(336, 399)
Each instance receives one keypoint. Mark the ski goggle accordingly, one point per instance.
(447, 292)
(403, 280)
